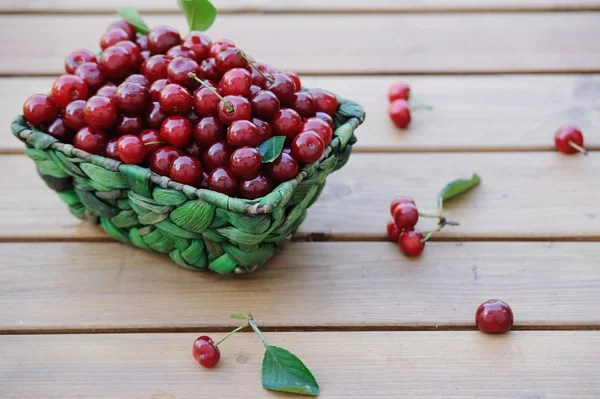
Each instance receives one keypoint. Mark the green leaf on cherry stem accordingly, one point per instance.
(239, 316)
(270, 149)
(200, 14)
(457, 187)
(134, 18)
(283, 371)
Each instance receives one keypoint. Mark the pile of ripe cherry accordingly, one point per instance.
(191, 109)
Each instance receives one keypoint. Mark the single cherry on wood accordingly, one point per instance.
(494, 316)
(410, 242)
(399, 91)
(400, 200)
(569, 140)
(406, 215)
(205, 352)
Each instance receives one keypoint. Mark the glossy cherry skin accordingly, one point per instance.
(410, 243)
(155, 67)
(284, 168)
(77, 58)
(162, 159)
(132, 97)
(255, 187)
(208, 70)
(223, 181)
(400, 113)
(229, 58)
(68, 88)
(175, 99)
(112, 37)
(406, 216)
(566, 134)
(401, 200)
(257, 78)
(156, 87)
(151, 139)
(265, 104)
(111, 149)
(286, 123)
(73, 115)
(155, 116)
(245, 162)
(39, 109)
(176, 131)
(129, 124)
(325, 102)
(91, 140)
(283, 87)
(131, 149)
(186, 170)
(142, 42)
(206, 101)
(100, 112)
(242, 110)
(208, 131)
(59, 130)
(308, 147)
(134, 52)
(126, 26)
(317, 125)
(91, 74)
(162, 38)
(494, 316)
(399, 91)
(393, 231)
(217, 155)
(205, 352)
(199, 43)
(219, 46)
(179, 69)
(115, 62)
(253, 90)
(139, 79)
(295, 78)
(304, 104)
(264, 129)
(326, 118)
(243, 133)
(181, 51)
(236, 82)
(108, 90)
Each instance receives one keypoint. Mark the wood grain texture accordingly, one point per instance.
(523, 196)
(469, 364)
(111, 287)
(471, 113)
(437, 43)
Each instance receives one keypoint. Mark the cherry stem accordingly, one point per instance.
(578, 147)
(154, 142)
(241, 54)
(422, 104)
(431, 233)
(240, 328)
(427, 215)
(252, 324)
(192, 75)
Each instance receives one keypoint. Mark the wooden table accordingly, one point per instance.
(84, 317)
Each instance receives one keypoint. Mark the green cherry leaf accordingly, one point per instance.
(133, 17)
(283, 371)
(457, 187)
(238, 315)
(200, 14)
(270, 149)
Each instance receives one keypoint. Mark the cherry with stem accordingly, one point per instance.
(241, 54)
(192, 75)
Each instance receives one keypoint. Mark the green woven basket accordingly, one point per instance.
(199, 229)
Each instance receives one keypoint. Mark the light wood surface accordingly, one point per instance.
(439, 43)
(543, 364)
(97, 286)
(471, 113)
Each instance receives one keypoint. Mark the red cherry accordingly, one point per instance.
(284, 168)
(78, 57)
(410, 242)
(319, 126)
(145, 55)
(139, 79)
(243, 133)
(91, 140)
(175, 99)
(283, 87)
(112, 37)
(155, 67)
(100, 112)
(39, 109)
(206, 101)
(265, 104)
(155, 116)
(264, 129)
(208, 70)
(134, 52)
(199, 43)
(241, 109)
(219, 46)
(176, 131)
(400, 113)
(69, 88)
(229, 58)
(245, 162)
(111, 149)
(308, 147)
(194, 150)
(181, 51)
(326, 118)
(186, 170)
(494, 316)
(142, 42)
(91, 74)
(295, 78)
(406, 216)
(179, 69)
(393, 231)
(151, 140)
(257, 78)
(108, 90)
(132, 97)
(255, 187)
(205, 352)
(129, 124)
(236, 82)
(253, 90)
(223, 181)
(304, 104)
(401, 200)
(286, 123)
(131, 149)
(59, 130)
(217, 155)
(568, 138)
(126, 26)
(156, 87)
(73, 115)
(162, 38)
(399, 91)
(115, 62)
(162, 159)
(325, 102)
(208, 131)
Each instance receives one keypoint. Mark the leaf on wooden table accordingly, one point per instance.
(200, 14)
(283, 371)
(238, 315)
(134, 18)
(457, 187)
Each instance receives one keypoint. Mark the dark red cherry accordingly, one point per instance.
(39, 109)
(255, 187)
(399, 91)
(199, 43)
(155, 116)
(219, 46)
(223, 181)
(91, 140)
(264, 129)
(177, 131)
(406, 215)
(325, 101)
(139, 79)
(308, 147)
(399, 112)
(162, 38)
(294, 78)
(77, 58)
(205, 352)
(410, 242)
(284, 168)
(401, 200)
(73, 115)
(265, 104)
(569, 140)
(206, 101)
(131, 149)
(494, 316)
(59, 130)
(208, 70)
(132, 97)
(151, 139)
(111, 149)
(186, 170)
(241, 109)
(129, 124)
(100, 112)
(112, 37)
(257, 78)
(229, 58)
(283, 87)
(286, 123)
(319, 126)
(208, 131)
(236, 82)
(162, 159)
(179, 69)
(217, 155)
(393, 231)
(243, 133)
(326, 118)
(142, 41)
(91, 74)
(108, 90)
(126, 26)
(245, 162)
(304, 104)
(175, 99)
(253, 90)
(69, 88)
(116, 62)
(155, 67)
(181, 51)
(156, 87)
(134, 52)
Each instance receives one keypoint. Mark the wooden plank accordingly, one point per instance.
(438, 43)
(468, 364)
(287, 6)
(532, 196)
(472, 113)
(78, 287)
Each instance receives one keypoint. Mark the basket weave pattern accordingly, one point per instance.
(199, 229)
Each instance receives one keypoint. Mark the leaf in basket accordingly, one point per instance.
(238, 315)
(270, 149)
(133, 17)
(457, 187)
(200, 14)
(283, 371)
